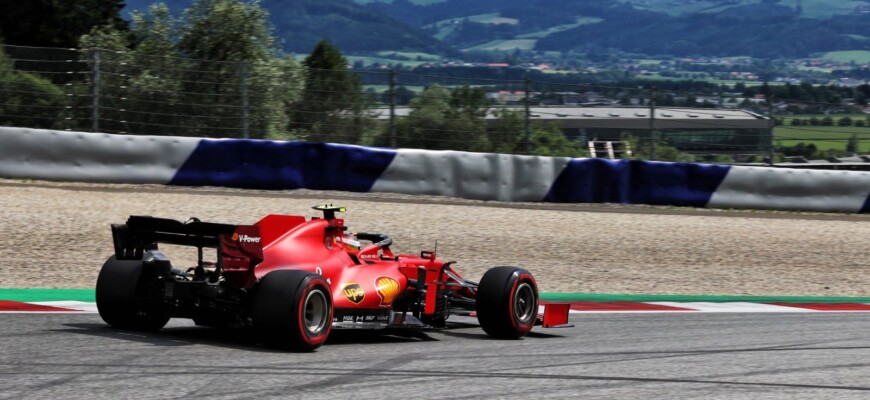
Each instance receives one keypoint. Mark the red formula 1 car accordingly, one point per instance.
(294, 280)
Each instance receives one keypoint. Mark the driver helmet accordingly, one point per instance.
(348, 240)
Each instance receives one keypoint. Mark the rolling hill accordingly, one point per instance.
(759, 28)
(300, 24)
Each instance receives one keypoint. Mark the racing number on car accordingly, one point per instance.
(353, 292)
(319, 271)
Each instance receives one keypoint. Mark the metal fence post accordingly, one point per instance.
(392, 108)
(528, 129)
(245, 123)
(771, 127)
(95, 90)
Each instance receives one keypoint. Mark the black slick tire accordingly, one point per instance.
(507, 302)
(293, 310)
(116, 290)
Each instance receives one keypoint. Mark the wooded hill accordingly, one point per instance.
(301, 24)
(759, 28)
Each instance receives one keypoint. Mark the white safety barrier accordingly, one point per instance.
(98, 157)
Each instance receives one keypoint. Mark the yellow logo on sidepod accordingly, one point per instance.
(387, 288)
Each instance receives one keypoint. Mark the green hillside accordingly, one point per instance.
(810, 8)
(757, 28)
(300, 24)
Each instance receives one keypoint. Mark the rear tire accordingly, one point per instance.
(117, 286)
(293, 310)
(507, 302)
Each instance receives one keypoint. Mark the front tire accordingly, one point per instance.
(293, 310)
(507, 302)
(117, 286)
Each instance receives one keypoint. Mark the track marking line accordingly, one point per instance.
(577, 307)
(8, 306)
(732, 307)
(828, 306)
(81, 306)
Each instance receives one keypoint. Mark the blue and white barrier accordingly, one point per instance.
(262, 164)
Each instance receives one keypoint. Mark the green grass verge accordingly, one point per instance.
(28, 295)
(31, 295)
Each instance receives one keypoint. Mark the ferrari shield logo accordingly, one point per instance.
(353, 292)
(387, 288)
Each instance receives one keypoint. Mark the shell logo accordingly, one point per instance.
(235, 236)
(387, 289)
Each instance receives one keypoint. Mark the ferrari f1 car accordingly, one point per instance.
(294, 280)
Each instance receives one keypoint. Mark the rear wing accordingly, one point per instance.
(239, 246)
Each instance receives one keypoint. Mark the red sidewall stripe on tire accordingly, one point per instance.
(315, 340)
(514, 322)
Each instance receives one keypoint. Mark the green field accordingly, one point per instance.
(423, 56)
(858, 56)
(824, 137)
(505, 45)
(859, 37)
(824, 8)
(493, 18)
(787, 119)
(811, 8)
(815, 69)
(417, 2)
(559, 28)
(384, 88)
(447, 26)
(367, 60)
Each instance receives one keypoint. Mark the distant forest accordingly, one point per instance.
(764, 29)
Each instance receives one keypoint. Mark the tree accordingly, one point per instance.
(443, 120)
(403, 96)
(147, 87)
(852, 144)
(56, 23)
(106, 48)
(844, 121)
(508, 136)
(422, 128)
(232, 75)
(465, 126)
(641, 149)
(27, 99)
(332, 107)
(548, 140)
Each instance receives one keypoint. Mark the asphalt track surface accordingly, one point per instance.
(618, 356)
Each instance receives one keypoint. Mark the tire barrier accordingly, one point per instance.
(263, 164)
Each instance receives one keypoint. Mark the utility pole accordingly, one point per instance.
(245, 124)
(392, 108)
(95, 91)
(652, 122)
(527, 102)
